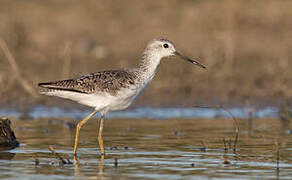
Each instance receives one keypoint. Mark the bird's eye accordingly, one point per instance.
(165, 45)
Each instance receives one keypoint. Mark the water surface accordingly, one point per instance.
(148, 112)
(176, 148)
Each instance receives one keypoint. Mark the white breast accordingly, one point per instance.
(126, 96)
(121, 100)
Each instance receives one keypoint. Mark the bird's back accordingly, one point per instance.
(105, 81)
(114, 90)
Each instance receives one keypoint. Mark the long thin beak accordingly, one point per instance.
(189, 60)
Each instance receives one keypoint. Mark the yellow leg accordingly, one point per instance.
(79, 125)
(100, 167)
(100, 140)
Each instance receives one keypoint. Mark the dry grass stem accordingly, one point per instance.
(24, 83)
(236, 139)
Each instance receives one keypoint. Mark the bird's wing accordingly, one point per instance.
(105, 81)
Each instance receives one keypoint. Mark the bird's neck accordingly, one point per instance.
(148, 64)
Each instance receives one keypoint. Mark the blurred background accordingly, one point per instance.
(246, 46)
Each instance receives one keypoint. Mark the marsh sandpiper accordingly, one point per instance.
(114, 89)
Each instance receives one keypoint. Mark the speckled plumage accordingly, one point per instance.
(115, 89)
(105, 81)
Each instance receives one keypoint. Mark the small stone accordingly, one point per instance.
(226, 162)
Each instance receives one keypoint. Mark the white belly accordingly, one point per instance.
(100, 101)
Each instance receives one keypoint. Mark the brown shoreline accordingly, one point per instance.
(246, 46)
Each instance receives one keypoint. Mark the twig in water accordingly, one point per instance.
(225, 146)
(236, 139)
(229, 143)
(26, 86)
(62, 160)
(277, 152)
(204, 148)
(234, 119)
(285, 116)
(36, 160)
(226, 161)
(236, 128)
(116, 162)
(250, 111)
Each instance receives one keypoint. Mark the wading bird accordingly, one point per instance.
(114, 89)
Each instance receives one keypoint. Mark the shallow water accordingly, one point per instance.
(148, 112)
(150, 149)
